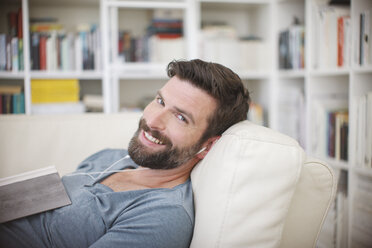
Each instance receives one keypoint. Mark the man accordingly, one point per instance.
(143, 199)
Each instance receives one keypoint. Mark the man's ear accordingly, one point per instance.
(208, 145)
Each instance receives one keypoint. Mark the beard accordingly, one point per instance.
(170, 158)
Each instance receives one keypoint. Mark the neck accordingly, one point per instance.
(156, 178)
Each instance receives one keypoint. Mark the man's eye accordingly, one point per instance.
(181, 118)
(160, 101)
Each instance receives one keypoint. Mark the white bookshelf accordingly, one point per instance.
(123, 84)
(69, 14)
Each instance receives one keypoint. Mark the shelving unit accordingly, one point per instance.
(70, 16)
(288, 96)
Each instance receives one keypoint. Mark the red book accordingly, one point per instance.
(12, 18)
(20, 27)
(340, 41)
(42, 52)
(168, 36)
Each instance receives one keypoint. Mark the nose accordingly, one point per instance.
(156, 119)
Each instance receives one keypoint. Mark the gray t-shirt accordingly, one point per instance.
(100, 217)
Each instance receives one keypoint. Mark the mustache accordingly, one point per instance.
(154, 133)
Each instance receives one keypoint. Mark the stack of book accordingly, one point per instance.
(337, 134)
(165, 34)
(331, 125)
(12, 99)
(332, 37)
(363, 148)
(292, 48)
(162, 42)
(11, 44)
(55, 96)
(132, 49)
(54, 49)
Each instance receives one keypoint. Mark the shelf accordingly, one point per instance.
(292, 73)
(147, 4)
(363, 69)
(331, 72)
(251, 75)
(337, 164)
(234, 5)
(236, 1)
(65, 2)
(363, 171)
(11, 75)
(139, 71)
(67, 74)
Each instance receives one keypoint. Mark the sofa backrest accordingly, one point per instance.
(33, 142)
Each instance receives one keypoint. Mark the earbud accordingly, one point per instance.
(201, 150)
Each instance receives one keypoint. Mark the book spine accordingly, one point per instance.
(15, 63)
(20, 54)
(3, 52)
(35, 51)
(361, 43)
(366, 37)
(347, 42)
(78, 53)
(340, 42)
(8, 54)
(42, 53)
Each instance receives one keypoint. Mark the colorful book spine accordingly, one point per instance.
(11, 100)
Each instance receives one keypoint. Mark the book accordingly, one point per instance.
(343, 32)
(93, 103)
(326, 35)
(12, 99)
(42, 53)
(54, 90)
(15, 63)
(324, 108)
(30, 193)
(3, 52)
(364, 38)
(292, 47)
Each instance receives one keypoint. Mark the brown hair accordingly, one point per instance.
(222, 84)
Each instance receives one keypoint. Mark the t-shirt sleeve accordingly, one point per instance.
(161, 226)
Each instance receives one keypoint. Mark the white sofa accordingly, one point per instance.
(255, 188)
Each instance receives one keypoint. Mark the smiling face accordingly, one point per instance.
(172, 125)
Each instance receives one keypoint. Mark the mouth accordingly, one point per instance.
(152, 139)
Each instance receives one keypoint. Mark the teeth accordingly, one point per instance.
(152, 139)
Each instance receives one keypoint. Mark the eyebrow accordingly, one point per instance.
(182, 111)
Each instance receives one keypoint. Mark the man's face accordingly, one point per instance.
(172, 125)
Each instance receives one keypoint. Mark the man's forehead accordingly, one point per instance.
(184, 95)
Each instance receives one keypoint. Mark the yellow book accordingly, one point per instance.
(54, 90)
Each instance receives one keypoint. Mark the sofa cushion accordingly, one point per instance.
(244, 186)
